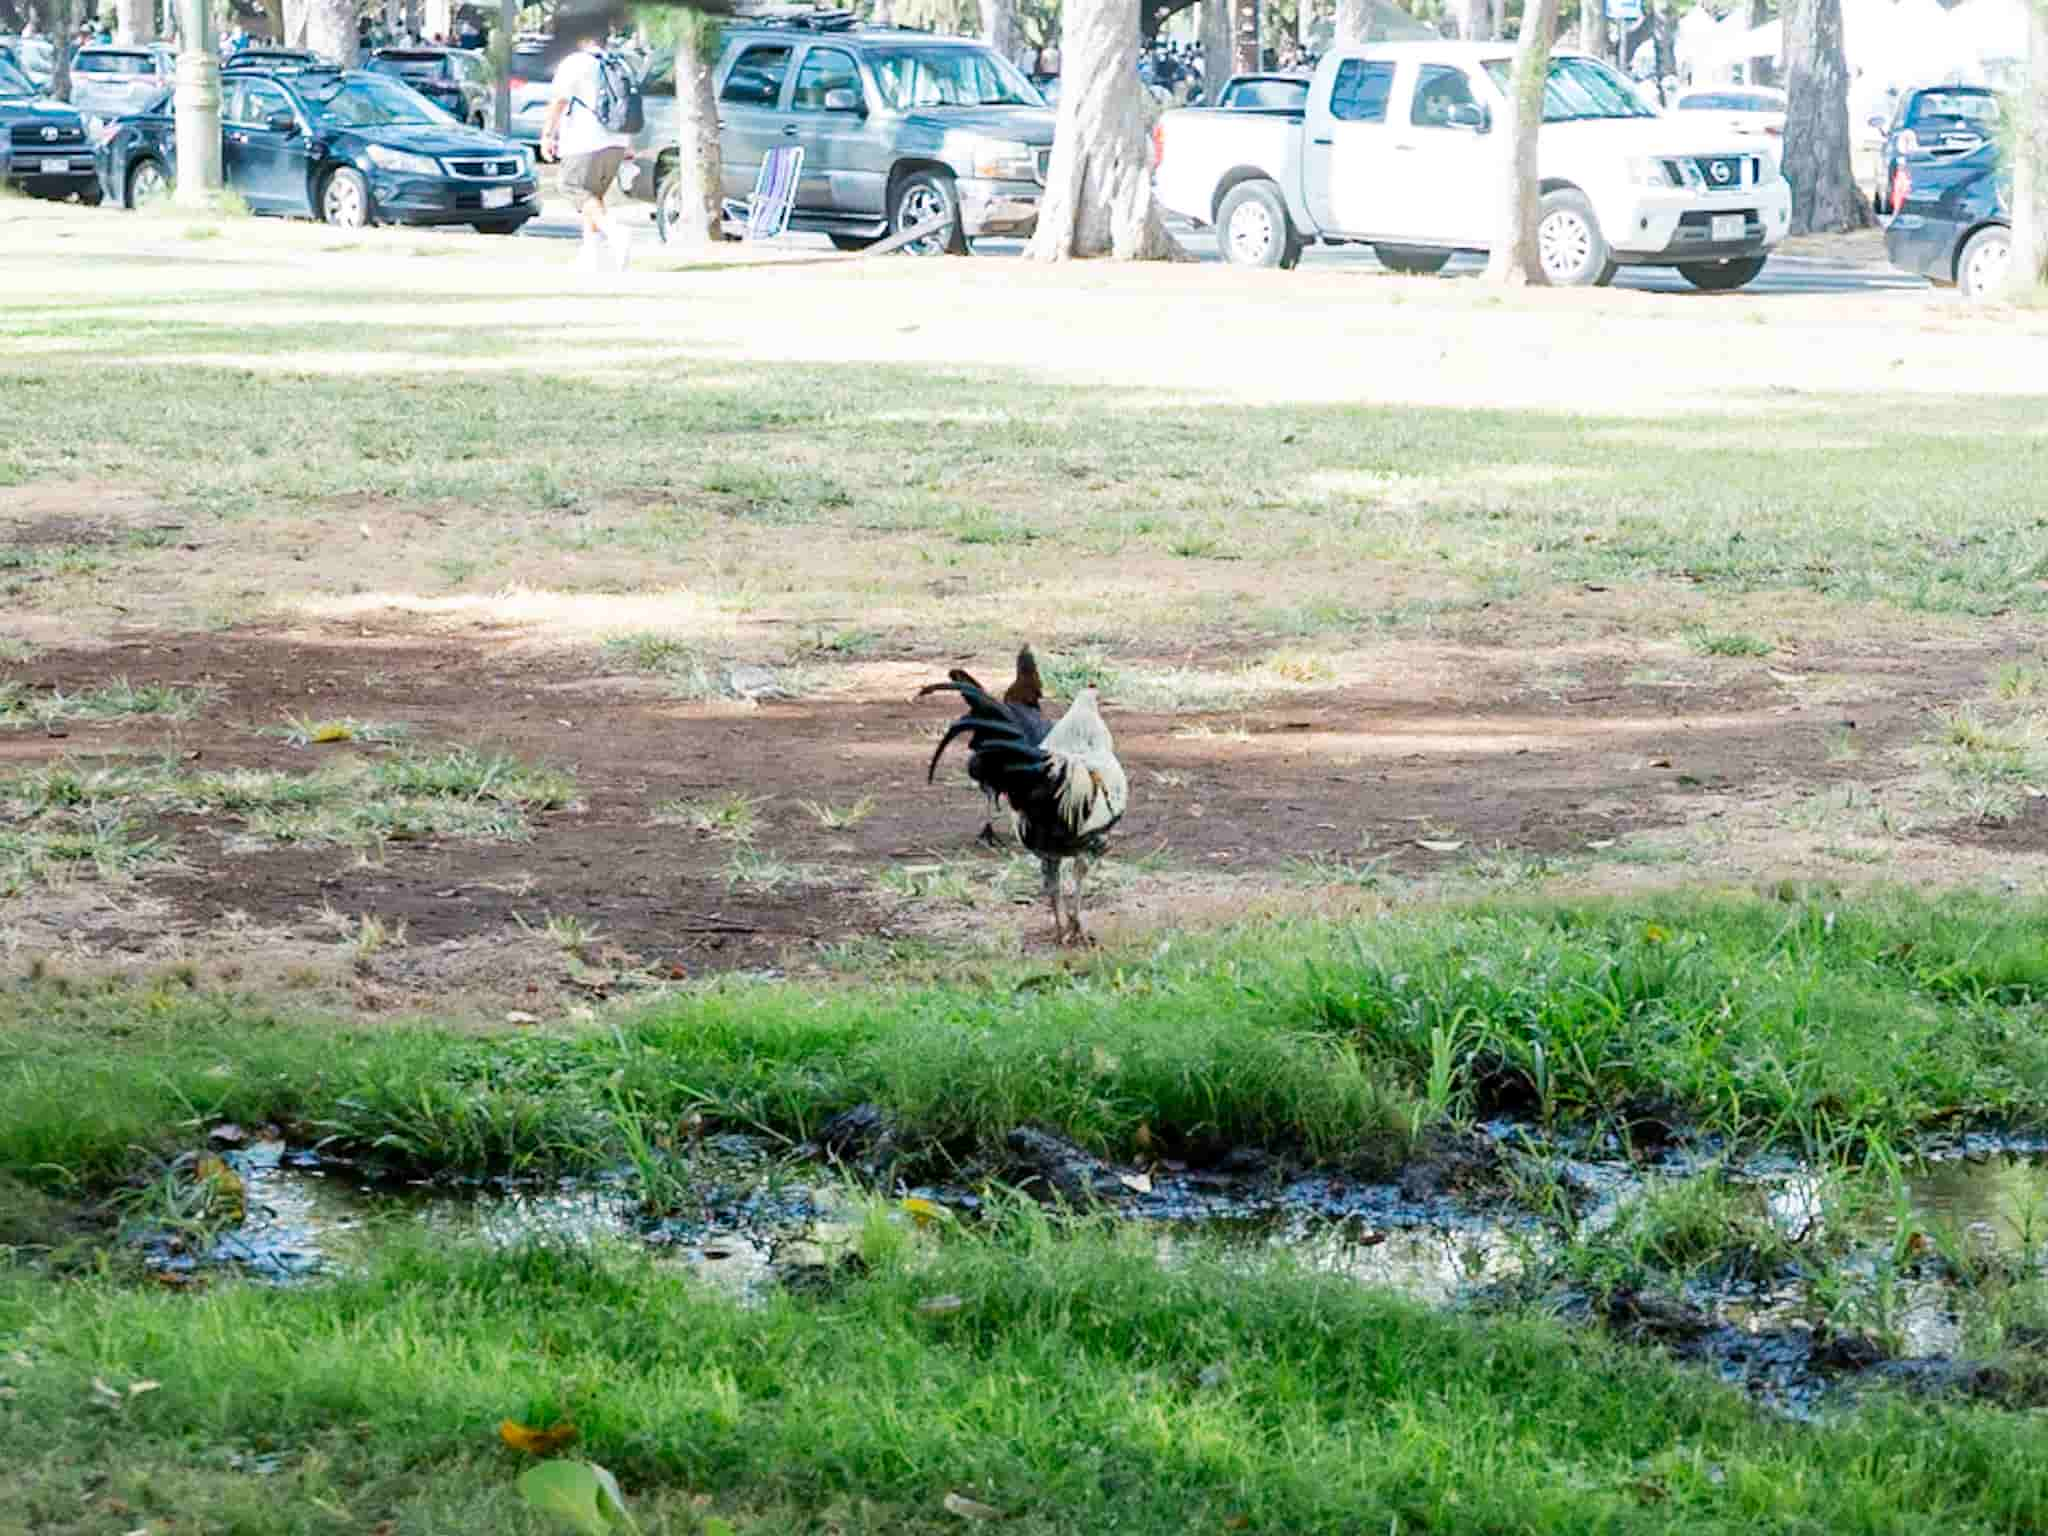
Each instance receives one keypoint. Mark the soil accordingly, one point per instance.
(1446, 754)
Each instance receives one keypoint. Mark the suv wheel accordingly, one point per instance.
(920, 198)
(147, 184)
(1985, 267)
(1570, 249)
(345, 199)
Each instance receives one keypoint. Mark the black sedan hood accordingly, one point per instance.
(435, 139)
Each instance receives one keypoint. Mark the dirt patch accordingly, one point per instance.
(1441, 764)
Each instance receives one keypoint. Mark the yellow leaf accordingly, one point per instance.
(1654, 934)
(536, 1442)
(925, 1212)
(334, 730)
(227, 1184)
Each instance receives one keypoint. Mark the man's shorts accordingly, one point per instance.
(591, 175)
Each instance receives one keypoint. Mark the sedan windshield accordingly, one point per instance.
(13, 82)
(910, 78)
(370, 103)
(1577, 89)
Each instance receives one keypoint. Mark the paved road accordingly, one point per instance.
(1784, 274)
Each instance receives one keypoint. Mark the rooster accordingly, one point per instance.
(1019, 708)
(1066, 789)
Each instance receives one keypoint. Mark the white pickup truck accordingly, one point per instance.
(1399, 147)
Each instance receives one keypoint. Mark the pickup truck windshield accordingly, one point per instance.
(1577, 89)
(910, 78)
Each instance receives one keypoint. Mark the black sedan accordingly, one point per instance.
(453, 79)
(43, 148)
(1936, 120)
(348, 147)
(1952, 220)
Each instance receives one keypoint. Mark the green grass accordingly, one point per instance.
(118, 700)
(1820, 1027)
(1077, 1386)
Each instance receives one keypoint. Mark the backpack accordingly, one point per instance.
(618, 104)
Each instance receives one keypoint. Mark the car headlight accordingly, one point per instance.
(1002, 160)
(398, 160)
(1650, 173)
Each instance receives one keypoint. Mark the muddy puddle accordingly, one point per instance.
(1886, 1305)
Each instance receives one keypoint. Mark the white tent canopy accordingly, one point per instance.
(1891, 45)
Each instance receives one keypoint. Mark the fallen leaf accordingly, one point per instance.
(519, 1016)
(536, 1442)
(713, 1526)
(970, 1509)
(1601, 842)
(1436, 845)
(925, 1212)
(364, 530)
(228, 1134)
(137, 1388)
(580, 1493)
(938, 1306)
(105, 1393)
(1143, 1137)
(1653, 934)
(1660, 762)
(1140, 1182)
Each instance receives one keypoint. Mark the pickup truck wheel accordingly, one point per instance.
(147, 183)
(1407, 258)
(1985, 267)
(920, 198)
(1253, 229)
(1569, 246)
(1721, 276)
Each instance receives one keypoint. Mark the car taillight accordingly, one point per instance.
(1902, 186)
(1775, 130)
(1907, 143)
(1158, 143)
(518, 82)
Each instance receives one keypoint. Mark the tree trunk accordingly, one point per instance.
(1513, 260)
(1593, 27)
(501, 51)
(1217, 43)
(273, 13)
(197, 105)
(1304, 23)
(63, 29)
(1354, 20)
(2030, 160)
(331, 30)
(134, 22)
(699, 173)
(296, 14)
(1824, 191)
(1250, 55)
(999, 27)
(1098, 189)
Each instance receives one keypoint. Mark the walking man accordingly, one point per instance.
(591, 153)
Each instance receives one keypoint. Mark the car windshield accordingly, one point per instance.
(430, 66)
(1954, 112)
(1578, 89)
(114, 64)
(1729, 101)
(369, 103)
(13, 82)
(910, 78)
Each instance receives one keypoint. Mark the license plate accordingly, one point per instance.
(56, 167)
(1729, 226)
(497, 197)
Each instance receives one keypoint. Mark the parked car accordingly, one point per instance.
(350, 147)
(44, 150)
(1938, 120)
(1952, 219)
(35, 57)
(453, 79)
(897, 127)
(1746, 109)
(1398, 152)
(530, 80)
(112, 82)
(275, 58)
(1264, 93)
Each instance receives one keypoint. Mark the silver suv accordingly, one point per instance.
(113, 82)
(897, 128)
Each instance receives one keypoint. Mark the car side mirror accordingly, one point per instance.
(282, 122)
(845, 101)
(1469, 114)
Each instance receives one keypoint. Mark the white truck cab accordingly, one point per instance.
(1400, 146)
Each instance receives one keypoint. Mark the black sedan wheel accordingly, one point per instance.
(345, 199)
(498, 227)
(147, 184)
(1984, 269)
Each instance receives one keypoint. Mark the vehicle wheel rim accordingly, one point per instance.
(920, 203)
(1990, 265)
(1564, 244)
(149, 186)
(671, 210)
(1251, 234)
(343, 204)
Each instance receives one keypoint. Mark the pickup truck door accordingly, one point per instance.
(1446, 161)
(845, 165)
(749, 114)
(1349, 154)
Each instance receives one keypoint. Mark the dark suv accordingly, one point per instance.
(43, 147)
(345, 146)
(453, 79)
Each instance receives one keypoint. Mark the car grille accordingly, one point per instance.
(1041, 162)
(30, 135)
(480, 169)
(1719, 173)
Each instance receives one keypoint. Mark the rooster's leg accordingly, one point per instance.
(1074, 933)
(1051, 867)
